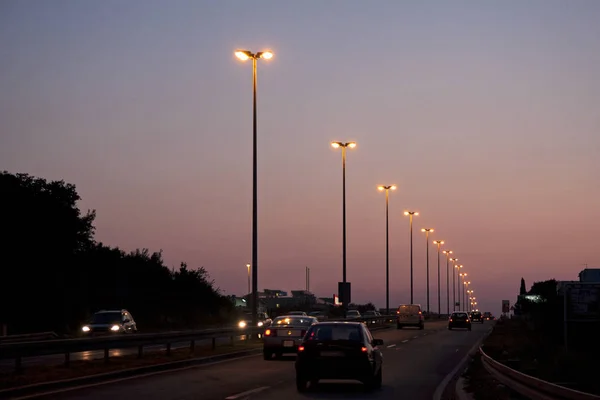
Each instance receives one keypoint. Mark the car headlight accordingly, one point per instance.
(85, 329)
(114, 328)
(260, 323)
(242, 324)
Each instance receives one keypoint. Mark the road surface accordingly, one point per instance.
(415, 363)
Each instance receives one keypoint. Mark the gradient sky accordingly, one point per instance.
(485, 114)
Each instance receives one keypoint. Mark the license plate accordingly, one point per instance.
(332, 354)
(288, 343)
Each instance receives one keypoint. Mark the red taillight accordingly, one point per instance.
(450, 319)
(364, 349)
(268, 332)
(300, 348)
(419, 312)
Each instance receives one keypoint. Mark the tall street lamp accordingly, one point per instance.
(460, 285)
(447, 253)
(456, 284)
(410, 217)
(427, 231)
(387, 189)
(345, 297)
(439, 244)
(249, 289)
(465, 290)
(244, 55)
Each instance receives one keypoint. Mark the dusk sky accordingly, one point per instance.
(485, 114)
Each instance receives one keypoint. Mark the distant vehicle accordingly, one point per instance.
(410, 315)
(459, 319)
(285, 335)
(246, 320)
(320, 315)
(476, 317)
(302, 313)
(339, 350)
(110, 322)
(371, 314)
(487, 316)
(352, 314)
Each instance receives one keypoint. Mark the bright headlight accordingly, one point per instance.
(85, 329)
(114, 328)
(260, 324)
(242, 324)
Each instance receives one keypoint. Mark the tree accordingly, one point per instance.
(523, 290)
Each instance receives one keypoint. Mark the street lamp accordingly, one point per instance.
(387, 189)
(465, 288)
(455, 284)
(249, 289)
(447, 253)
(427, 230)
(345, 297)
(244, 55)
(410, 217)
(439, 243)
(460, 285)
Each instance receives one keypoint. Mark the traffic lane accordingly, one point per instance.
(58, 359)
(220, 380)
(411, 371)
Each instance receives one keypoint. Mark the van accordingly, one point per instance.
(410, 315)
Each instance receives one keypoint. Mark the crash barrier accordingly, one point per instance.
(66, 347)
(530, 386)
(28, 337)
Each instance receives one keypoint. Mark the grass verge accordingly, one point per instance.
(77, 369)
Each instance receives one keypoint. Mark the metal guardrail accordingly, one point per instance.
(28, 337)
(19, 350)
(530, 386)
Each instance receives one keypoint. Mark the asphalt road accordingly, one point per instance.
(58, 359)
(415, 363)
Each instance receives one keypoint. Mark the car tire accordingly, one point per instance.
(398, 326)
(421, 327)
(301, 383)
(267, 355)
(449, 328)
(469, 329)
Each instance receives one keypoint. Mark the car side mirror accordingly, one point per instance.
(377, 342)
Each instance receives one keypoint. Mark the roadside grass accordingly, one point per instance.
(77, 369)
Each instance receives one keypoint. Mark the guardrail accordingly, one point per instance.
(530, 386)
(19, 350)
(28, 337)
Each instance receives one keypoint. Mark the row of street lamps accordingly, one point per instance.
(245, 55)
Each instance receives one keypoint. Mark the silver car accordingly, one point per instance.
(285, 335)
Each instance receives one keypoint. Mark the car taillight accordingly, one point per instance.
(300, 348)
(364, 349)
(450, 319)
(268, 332)
(419, 312)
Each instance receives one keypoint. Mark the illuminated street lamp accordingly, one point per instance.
(387, 244)
(461, 287)
(249, 288)
(447, 253)
(410, 217)
(439, 244)
(455, 285)
(244, 55)
(427, 231)
(345, 297)
(466, 284)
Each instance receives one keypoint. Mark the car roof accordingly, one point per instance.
(339, 323)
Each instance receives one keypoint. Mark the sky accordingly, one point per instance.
(485, 114)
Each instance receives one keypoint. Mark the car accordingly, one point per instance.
(371, 314)
(476, 317)
(320, 315)
(302, 313)
(410, 315)
(246, 320)
(353, 314)
(459, 319)
(285, 335)
(339, 350)
(110, 322)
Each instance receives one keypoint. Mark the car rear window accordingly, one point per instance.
(459, 315)
(325, 332)
(409, 309)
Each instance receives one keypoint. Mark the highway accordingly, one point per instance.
(58, 359)
(415, 363)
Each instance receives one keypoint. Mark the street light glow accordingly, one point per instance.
(245, 55)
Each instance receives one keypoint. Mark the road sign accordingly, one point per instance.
(505, 306)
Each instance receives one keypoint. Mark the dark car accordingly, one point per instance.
(110, 322)
(476, 317)
(459, 319)
(339, 350)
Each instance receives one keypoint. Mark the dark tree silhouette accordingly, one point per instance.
(523, 289)
(54, 275)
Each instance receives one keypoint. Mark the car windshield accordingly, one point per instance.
(106, 318)
(409, 309)
(326, 332)
(370, 313)
(303, 321)
(353, 312)
(459, 315)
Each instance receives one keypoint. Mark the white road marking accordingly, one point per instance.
(414, 337)
(247, 392)
(391, 345)
(404, 341)
(424, 334)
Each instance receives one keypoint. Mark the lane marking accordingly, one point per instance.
(404, 341)
(247, 392)
(391, 345)
(414, 337)
(424, 334)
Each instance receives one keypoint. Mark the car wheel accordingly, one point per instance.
(469, 329)
(449, 328)
(398, 326)
(421, 327)
(267, 355)
(301, 383)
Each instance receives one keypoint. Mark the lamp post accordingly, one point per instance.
(457, 268)
(465, 290)
(447, 253)
(427, 230)
(461, 287)
(410, 217)
(249, 289)
(454, 260)
(439, 243)
(387, 189)
(344, 146)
